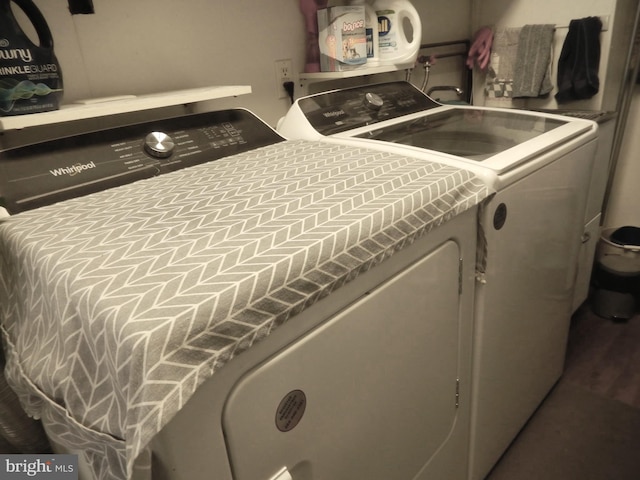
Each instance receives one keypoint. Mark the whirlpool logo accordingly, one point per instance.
(72, 169)
(50, 467)
(334, 113)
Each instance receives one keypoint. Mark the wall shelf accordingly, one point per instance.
(308, 78)
(102, 107)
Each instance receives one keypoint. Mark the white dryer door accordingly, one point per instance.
(369, 394)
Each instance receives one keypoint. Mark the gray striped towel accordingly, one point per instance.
(531, 76)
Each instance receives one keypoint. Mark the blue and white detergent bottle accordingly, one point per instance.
(30, 76)
(399, 31)
(371, 31)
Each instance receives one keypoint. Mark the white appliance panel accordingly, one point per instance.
(194, 443)
(376, 407)
(523, 309)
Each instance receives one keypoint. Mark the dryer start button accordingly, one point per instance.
(159, 144)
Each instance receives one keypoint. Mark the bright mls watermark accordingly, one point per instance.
(39, 467)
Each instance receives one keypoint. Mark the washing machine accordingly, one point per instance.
(539, 167)
(197, 297)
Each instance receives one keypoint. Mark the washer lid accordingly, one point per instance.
(496, 139)
(470, 133)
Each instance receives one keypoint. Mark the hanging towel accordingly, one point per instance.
(531, 75)
(579, 61)
(499, 80)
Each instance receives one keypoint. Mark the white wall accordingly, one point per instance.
(148, 46)
(624, 201)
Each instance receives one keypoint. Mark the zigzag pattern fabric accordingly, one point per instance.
(116, 306)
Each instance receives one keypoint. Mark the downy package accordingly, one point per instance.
(30, 76)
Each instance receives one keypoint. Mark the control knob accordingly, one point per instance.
(159, 144)
(373, 101)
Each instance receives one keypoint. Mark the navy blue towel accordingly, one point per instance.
(579, 61)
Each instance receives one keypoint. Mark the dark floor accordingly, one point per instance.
(588, 428)
(603, 356)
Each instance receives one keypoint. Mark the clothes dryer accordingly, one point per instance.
(539, 167)
(214, 301)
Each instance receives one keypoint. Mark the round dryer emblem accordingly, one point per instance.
(500, 216)
(290, 410)
(159, 144)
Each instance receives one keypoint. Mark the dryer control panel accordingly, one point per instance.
(52, 171)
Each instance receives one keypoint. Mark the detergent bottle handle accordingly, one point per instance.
(409, 12)
(37, 19)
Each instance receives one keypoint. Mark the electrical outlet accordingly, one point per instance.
(284, 73)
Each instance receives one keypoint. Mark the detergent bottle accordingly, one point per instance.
(30, 76)
(399, 31)
(371, 31)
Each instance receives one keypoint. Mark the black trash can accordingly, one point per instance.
(616, 275)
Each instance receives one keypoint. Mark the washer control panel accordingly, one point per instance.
(48, 172)
(342, 110)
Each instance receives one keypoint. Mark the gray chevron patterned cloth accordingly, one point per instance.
(116, 306)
